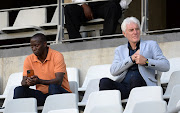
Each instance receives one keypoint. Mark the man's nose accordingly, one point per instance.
(134, 31)
(33, 48)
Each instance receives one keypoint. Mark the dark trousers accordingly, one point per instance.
(124, 88)
(74, 17)
(26, 92)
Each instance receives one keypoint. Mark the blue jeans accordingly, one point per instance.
(26, 92)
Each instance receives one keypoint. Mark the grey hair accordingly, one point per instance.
(129, 20)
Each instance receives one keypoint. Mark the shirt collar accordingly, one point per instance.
(137, 45)
(47, 58)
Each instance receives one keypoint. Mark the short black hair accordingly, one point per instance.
(41, 37)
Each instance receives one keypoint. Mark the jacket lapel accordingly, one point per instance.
(142, 46)
(126, 51)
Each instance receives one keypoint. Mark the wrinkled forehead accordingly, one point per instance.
(131, 25)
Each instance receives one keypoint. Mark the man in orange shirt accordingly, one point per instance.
(50, 75)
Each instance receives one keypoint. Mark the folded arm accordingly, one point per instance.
(120, 64)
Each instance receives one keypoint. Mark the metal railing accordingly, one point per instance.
(60, 29)
(23, 8)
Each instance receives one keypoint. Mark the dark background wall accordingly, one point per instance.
(157, 14)
(173, 16)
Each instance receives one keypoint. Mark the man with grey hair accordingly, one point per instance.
(134, 63)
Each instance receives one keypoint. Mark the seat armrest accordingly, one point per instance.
(3, 97)
(82, 89)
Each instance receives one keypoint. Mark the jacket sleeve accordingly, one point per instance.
(120, 64)
(159, 61)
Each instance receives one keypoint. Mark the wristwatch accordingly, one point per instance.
(146, 62)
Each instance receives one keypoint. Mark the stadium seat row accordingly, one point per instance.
(91, 82)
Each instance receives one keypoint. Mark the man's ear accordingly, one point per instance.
(124, 33)
(45, 44)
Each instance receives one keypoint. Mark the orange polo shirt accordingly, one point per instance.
(53, 63)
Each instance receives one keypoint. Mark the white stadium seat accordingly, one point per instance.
(174, 80)
(108, 101)
(150, 107)
(27, 20)
(60, 101)
(21, 105)
(4, 17)
(141, 94)
(174, 66)
(72, 110)
(73, 74)
(13, 80)
(54, 22)
(96, 72)
(93, 86)
(74, 88)
(174, 99)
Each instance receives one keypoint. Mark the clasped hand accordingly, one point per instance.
(33, 80)
(138, 59)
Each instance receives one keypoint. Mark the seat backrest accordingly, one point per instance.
(140, 94)
(93, 86)
(74, 88)
(4, 17)
(174, 98)
(73, 74)
(174, 66)
(14, 80)
(10, 94)
(174, 80)
(21, 105)
(34, 17)
(55, 17)
(103, 98)
(65, 111)
(178, 106)
(60, 101)
(150, 107)
(96, 72)
(114, 108)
